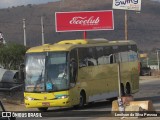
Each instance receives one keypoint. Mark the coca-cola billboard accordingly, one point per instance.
(84, 21)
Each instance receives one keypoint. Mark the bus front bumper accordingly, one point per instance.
(48, 103)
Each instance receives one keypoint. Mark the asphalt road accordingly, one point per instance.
(149, 90)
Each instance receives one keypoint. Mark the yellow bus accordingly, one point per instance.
(76, 72)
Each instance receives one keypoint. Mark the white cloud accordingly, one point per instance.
(10, 3)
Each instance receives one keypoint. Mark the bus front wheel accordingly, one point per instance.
(82, 100)
(43, 109)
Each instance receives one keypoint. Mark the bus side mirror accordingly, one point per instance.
(21, 75)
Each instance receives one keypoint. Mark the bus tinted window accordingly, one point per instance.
(129, 47)
(132, 56)
(87, 57)
(108, 55)
(82, 52)
(100, 56)
(124, 53)
(115, 49)
(107, 50)
(123, 48)
(91, 57)
(134, 48)
(124, 56)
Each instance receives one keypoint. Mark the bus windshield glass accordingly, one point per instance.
(46, 72)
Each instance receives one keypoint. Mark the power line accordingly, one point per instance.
(151, 28)
(14, 23)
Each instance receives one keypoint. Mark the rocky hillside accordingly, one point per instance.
(143, 27)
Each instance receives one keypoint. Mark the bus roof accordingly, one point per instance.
(67, 45)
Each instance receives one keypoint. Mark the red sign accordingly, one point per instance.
(84, 21)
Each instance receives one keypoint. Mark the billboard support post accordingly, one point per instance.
(85, 35)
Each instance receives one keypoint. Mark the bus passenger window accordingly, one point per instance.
(82, 52)
(87, 57)
(134, 48)
(124, 56)
(100, 56)
(111, 59)
(108, 56)
(117, 57)
(92, 57)
(91, 62)
(82, 63)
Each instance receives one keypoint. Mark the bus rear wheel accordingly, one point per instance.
(43, 109)
(128, 89)
(122, 90)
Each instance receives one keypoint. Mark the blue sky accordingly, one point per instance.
(10, 3)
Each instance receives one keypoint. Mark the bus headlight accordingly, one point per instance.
(62, 97)
(29, 98)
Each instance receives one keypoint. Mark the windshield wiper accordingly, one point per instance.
(39, 80)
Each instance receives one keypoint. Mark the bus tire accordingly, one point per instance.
(128, 89)
(82, 100)
(122, 90)
(43, 109)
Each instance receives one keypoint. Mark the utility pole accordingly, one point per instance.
(120, 102)
(147, 62)
(158, 59)
(24, 28)
(42, 25)
(126, 26)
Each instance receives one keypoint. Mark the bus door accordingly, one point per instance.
(73, 75)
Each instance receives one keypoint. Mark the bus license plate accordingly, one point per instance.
(45, 104)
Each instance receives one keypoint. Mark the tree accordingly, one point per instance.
(12, 55)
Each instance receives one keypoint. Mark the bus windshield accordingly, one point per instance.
(46, 72)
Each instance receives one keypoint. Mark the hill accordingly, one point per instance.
(143, 27)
